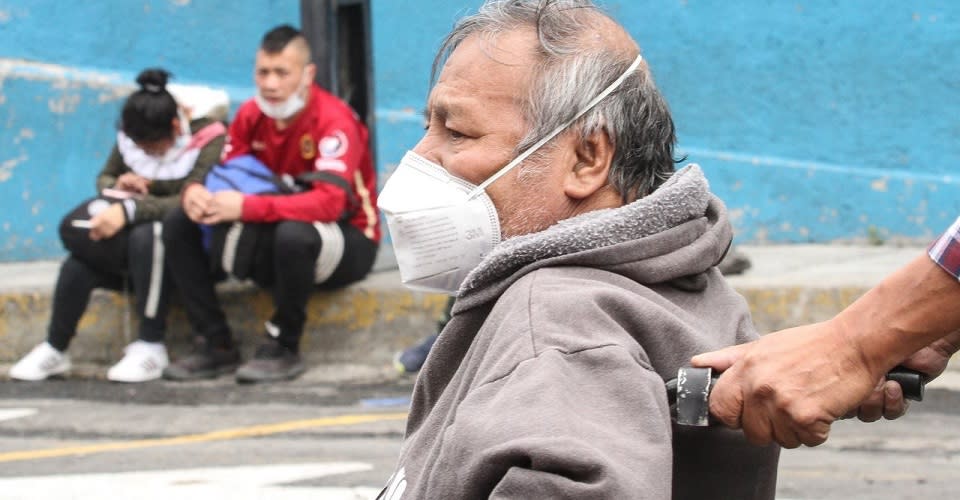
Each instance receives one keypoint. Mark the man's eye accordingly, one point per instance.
(456, 135)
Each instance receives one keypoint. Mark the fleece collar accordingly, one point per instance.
(682, 198)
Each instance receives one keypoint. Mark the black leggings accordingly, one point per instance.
(285, 265)
(76, 282)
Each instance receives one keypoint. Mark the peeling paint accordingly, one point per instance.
(25, 133)
(36, 71)
(65, 104)
(115, 94)
(6, 168)
(879, 185)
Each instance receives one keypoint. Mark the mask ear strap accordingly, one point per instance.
(184, 122)
(593, 102)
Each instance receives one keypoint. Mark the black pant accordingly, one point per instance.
(286, 266)
(77, 280)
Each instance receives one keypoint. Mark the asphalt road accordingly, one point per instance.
(335, 435)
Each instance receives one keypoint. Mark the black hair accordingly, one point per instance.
(278, 38)
(149, 112)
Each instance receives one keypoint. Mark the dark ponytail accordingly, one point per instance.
(149, 112)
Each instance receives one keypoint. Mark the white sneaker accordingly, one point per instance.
(42, 362)
(142, 361)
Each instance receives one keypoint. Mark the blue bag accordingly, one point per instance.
(248, 175)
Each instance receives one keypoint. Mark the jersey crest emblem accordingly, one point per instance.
(308, 149)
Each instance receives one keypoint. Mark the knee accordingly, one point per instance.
(176, 225)
(74, 267)
(296, 238)
(141, 239)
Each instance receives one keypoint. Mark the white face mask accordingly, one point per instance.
(180, 143)
(287, 108)
(443, 226)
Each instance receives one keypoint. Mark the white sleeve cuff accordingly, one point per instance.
(130, 206)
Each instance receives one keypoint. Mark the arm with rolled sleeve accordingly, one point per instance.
(791, 385)
(946, 250)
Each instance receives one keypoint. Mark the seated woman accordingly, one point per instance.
(159, 148)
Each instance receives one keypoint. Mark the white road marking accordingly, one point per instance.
(237, 483)
(12, 413)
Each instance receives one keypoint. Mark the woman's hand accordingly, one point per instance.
(107, 223)
(133, 183)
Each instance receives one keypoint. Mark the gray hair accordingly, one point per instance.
(569, 74)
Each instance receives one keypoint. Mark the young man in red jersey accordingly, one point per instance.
(326, 236)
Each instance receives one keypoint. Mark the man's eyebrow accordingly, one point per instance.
(439, 109)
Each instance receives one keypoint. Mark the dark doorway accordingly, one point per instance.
(340, 37)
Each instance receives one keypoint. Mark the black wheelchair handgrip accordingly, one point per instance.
(911, 382)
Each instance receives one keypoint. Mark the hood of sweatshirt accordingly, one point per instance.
(674, 234)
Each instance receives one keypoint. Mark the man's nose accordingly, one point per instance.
(268, 82)
(429, 149)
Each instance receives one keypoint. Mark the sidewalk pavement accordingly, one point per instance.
(366, 323)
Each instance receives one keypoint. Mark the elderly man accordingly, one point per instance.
(545, 130)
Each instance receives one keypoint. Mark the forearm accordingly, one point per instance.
(907, 311)
(111, 170)
(154, 208)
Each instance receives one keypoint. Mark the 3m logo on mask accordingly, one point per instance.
(473, 234)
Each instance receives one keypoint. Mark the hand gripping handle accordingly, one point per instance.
(689, 393)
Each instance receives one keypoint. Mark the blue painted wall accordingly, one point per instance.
(815, 121)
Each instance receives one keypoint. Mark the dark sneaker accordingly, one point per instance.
(271, 363)
(204, 362)
(412, 359)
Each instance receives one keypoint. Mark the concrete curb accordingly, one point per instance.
(369, 321)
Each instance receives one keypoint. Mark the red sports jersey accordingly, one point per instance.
(326, 136)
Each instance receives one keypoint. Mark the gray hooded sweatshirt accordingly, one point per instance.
(548, 381)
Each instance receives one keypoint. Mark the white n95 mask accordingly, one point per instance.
(443, 226)
(439, 232)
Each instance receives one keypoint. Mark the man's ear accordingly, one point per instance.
(594, 155)
(310, 72)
